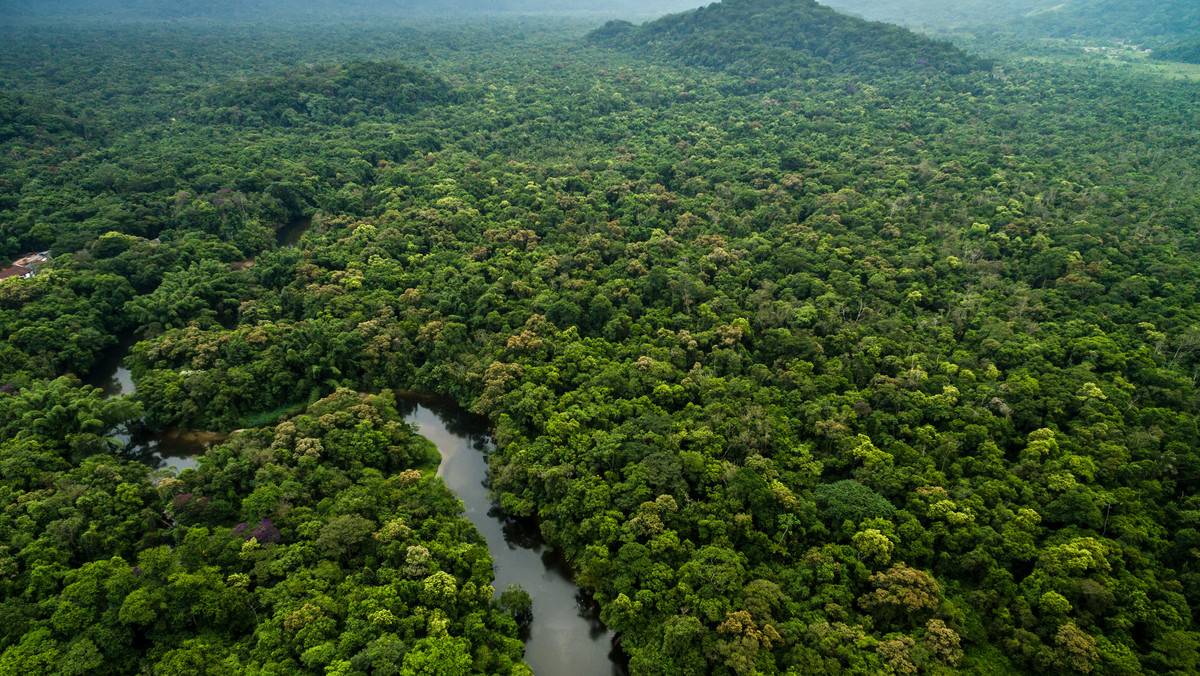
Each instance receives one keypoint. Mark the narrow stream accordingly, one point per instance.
(566, 636)
(173, 448)
(109, 373)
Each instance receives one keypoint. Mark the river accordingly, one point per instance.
(109, 372)
(566, 635)
(173, 448)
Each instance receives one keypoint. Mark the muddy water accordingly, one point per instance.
(566, 636)
(174, 448)
(109, 373)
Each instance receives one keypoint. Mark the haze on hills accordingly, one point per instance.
(1169, 25)
(272, 9)
(937, 13)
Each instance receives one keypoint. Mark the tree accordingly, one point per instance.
(849, 500)
(515, 601)
(437, 656)
(1074, 649)
(902, 594)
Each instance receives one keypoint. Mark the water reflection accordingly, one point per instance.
(172, 448)
(109, 373)
(566, 636)
(290, 234)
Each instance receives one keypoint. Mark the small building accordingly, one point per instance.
(24, 266)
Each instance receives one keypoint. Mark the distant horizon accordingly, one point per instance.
(216, 9)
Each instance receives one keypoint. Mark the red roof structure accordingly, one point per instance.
(24, 266)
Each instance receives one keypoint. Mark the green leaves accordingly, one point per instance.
(516, 602)
(750, 334)
(849, 500)
(771, 37)
(311, 580)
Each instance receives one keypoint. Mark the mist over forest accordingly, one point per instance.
(317, 9)
(1159, 24)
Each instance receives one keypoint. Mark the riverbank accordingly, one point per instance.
(565, 635)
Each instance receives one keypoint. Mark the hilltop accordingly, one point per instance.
(796, 37)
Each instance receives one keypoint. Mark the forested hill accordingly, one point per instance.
(1185, 50)
(798, 37)
(1169, 27)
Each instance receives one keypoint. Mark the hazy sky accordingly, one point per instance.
(217, 8)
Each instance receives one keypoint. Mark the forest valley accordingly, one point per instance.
(815, 345)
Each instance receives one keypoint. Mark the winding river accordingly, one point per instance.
(173, 448)
(566, 635)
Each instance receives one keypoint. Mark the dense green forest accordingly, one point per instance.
(816, 346)
(785, 39)
(1158, 22)
(1187, 51)
(343, 550)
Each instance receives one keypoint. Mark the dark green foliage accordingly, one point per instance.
(849, 367)
(60, 320)
(1154, 21)
(299, 549)
(341, 94)
(1187, 51)
(850, 500)
(32, 118)
(516, 602)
